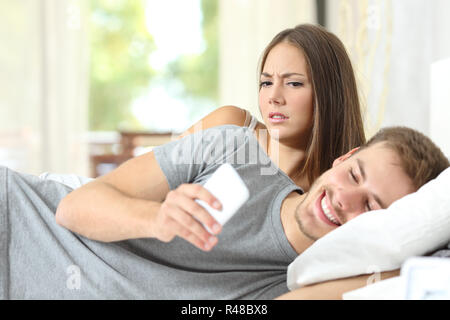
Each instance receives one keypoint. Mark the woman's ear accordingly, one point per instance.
(344, 157)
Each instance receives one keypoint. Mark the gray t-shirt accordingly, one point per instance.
(42, 260)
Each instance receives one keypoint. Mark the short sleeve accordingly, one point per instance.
(182, 161)
(177, 160)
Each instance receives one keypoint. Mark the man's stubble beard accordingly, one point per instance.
(298, 219)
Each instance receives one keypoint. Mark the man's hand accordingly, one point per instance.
(180, 215)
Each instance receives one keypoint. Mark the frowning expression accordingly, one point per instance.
(286, 94)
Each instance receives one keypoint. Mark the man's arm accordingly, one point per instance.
(134, 201)
(333, 289)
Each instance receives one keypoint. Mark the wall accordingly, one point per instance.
(246, 27)
(43, 86)
(394, 44)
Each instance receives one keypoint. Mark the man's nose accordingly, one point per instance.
(350, 202)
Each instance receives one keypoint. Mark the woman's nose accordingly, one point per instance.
(276, 95)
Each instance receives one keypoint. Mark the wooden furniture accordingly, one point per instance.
(107, 155)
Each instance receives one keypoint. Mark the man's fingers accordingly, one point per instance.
(194, 191)
(187, 219)
(196, 241)
(205, 243)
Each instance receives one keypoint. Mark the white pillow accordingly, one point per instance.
(380, 240)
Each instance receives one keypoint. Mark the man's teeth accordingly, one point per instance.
(326, 210)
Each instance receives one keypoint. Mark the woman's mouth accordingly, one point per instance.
(276, 117)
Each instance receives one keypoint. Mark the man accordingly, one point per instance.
(133, 229)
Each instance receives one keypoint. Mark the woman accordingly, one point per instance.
(308, 100)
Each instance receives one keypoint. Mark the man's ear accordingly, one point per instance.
(344, 157)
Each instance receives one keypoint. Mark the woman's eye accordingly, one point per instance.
(264, 84)
(295, 84)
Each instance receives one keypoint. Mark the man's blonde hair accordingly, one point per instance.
(421, 159)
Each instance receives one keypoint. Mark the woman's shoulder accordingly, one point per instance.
(226, 115)
(232, 115)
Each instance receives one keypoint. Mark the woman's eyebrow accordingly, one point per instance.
(283, 75)
(289, 74)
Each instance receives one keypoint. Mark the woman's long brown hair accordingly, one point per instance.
(338, 125)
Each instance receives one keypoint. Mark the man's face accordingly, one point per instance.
(370, 179)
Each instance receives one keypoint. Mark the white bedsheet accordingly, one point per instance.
(71, 180)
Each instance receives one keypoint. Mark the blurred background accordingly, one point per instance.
(87, 84)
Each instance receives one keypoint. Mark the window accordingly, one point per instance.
(154, 64)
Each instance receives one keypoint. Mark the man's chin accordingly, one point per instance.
(308, 222)
(310, 236)
(300, 218)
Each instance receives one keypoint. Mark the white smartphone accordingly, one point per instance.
(227, 186)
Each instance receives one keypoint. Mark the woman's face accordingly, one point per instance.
(286, 94)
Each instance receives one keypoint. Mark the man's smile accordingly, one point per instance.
(325, 211)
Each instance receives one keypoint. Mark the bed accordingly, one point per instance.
(412, 235)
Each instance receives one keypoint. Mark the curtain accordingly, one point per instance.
(245, 28)
(395, 46)
(44, 89)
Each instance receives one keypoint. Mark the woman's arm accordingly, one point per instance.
(333, 289)
(221, 116)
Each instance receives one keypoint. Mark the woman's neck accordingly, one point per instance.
(289, 157)
(290, 160)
